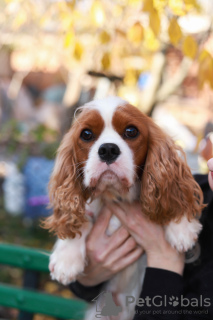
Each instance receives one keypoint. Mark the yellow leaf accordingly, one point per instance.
(51, 287)
(148, 6)
(104, 37)
(98, 14)
(136, 33)
(205, 72)
(192, 4)
(71, 4)
(159, 4)
(130, 78)
(106, 61)
(154, 22)
(174, 31)
(177, 7)
(190, 47)
(150, 41)
(69, 39)
(78, 51)
(66, 293)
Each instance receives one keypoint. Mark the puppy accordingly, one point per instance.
(114, 152)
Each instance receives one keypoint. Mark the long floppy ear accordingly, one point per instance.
(168, 189)
(65, 191)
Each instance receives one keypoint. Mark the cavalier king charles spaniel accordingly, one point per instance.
(114, 152)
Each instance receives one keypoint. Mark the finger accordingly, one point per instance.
(130, 216)
(128, 259)
(102, 222)
(210, 164)
(119, 212)
(128, 246)
(116, 239)
(132, 210)
(119, 237)
(113, 242)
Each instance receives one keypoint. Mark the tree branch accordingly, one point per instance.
(173, 83)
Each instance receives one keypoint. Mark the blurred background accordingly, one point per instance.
(57, 55)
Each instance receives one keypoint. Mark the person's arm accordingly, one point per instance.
(87, 293)
(163, 280)
(167, 297)
(159, 287)
(169, 284)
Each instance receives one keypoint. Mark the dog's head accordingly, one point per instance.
(110, 147)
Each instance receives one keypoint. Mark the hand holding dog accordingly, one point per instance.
(107, 255)
(150, 236)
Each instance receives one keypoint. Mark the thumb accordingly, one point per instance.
(119, 212)
(102, 221)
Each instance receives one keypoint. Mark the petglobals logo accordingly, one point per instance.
(164, 301)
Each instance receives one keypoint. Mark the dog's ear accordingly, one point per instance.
(65, 192)
(168, 189)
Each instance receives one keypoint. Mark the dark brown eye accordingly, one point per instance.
(87, 135)
(130, 132)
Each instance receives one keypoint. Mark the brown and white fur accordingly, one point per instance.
(150, 168)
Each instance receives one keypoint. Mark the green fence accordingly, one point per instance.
(30, 301)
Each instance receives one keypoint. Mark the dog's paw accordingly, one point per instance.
(184, 234)
(65, 269)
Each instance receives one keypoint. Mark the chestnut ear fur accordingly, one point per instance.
(168, 189)
(65, 191)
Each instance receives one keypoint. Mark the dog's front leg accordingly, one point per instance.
(182, 235)
(68, 258)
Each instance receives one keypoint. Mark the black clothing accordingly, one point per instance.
(167, 295)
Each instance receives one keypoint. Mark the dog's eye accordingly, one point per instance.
(130, 132)
(87, 135)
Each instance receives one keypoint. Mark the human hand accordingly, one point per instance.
(107, 255)
(210, 176)
(149, 236)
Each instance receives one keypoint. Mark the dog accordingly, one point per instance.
(114, 152)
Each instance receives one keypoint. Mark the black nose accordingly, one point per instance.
(108, 152)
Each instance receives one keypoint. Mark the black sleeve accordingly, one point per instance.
(85, 292)
(164, 296)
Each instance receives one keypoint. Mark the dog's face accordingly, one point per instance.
(111, 145)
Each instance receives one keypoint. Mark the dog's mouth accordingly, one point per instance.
(108, 177)
(109, 184)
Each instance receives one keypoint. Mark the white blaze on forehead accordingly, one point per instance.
(106, 107)
(123, 167)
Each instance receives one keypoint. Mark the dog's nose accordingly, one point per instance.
(108, 152)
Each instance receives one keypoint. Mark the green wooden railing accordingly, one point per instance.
(31, 301)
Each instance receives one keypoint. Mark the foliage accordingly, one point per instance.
(107, 35)
(39, 140)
